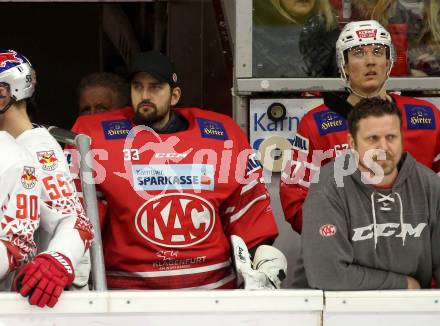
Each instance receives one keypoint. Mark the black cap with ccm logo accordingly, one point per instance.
(156, 64)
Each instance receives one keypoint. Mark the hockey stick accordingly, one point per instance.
(82, 143)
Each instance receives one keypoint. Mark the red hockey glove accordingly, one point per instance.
(44, 278)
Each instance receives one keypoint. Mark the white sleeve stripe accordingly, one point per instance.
(185, 271)
(249, 186)
(299, 182)
(229, 210)
(242, 211)
(437, 158)
(212, 286)
(304, 183)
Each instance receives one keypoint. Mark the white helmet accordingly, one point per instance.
(16, 72)
(362, 33)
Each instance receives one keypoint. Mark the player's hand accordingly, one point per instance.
(44, 278)
(413, 284)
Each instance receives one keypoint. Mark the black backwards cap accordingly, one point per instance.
(156, 64)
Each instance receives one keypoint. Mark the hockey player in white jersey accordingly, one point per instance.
(66, 232)
(19, 200)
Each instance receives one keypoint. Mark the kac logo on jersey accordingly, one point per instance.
(116, 129)
(28, 178)
(175, 220)
(419, 117)
(329, 121)
(212, 129)
(327, 230)
(47, 160)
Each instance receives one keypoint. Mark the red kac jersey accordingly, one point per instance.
(174, 199)
(322, 135)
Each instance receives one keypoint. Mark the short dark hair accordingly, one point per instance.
(371, 107)
(107, 80)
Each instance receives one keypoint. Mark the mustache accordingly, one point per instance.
(375, 157)
(146, 103)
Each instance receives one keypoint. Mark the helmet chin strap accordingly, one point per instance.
(6, 108)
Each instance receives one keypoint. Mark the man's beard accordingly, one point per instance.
(148, 117)
(387, 165)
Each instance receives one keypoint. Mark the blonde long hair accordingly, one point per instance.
(383, 9)
(321, 6)
(431, 31)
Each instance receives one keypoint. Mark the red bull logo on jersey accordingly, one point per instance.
(28, 178)
(175, 220)
(9, 57)
(419, 117)
(329, 121)
(48, 160)
(367, 33)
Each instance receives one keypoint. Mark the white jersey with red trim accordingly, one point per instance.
(19, 201)
(174, 199)
(322, 135)
(64, 225)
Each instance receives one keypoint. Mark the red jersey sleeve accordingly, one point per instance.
(436, 161)
(297, 174)
(247, 212)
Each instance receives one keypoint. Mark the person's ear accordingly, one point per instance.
(176, 92)
(351, 141)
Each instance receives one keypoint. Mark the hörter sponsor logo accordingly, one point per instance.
(419, 117)
(329, 121)
(175, 220)
(212, 129)
(116, 129)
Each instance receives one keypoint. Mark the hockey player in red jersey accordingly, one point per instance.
(65, 232)
(365, 56)
(178, 183)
